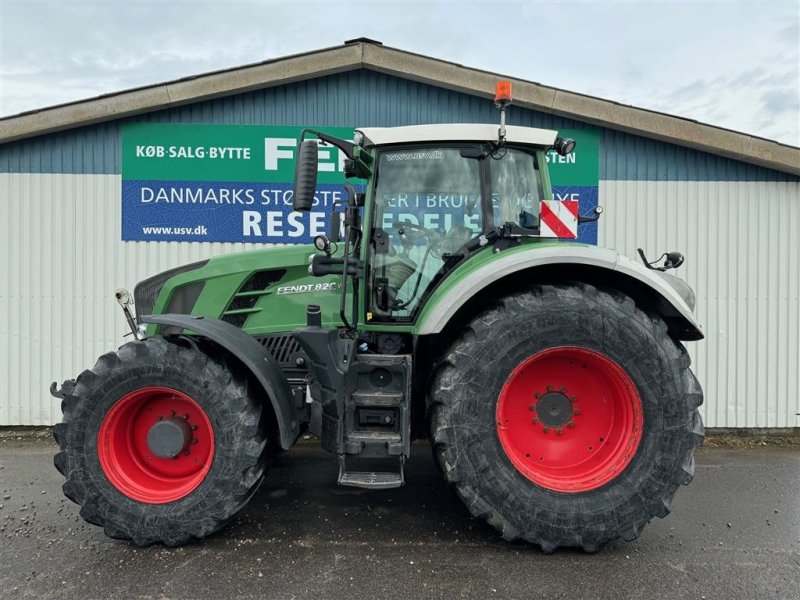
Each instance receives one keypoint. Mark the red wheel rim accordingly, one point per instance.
(569, 419)
(128, 461)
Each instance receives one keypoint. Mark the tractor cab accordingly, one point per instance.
(434, 196)
(431, 203)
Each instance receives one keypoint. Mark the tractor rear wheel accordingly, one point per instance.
(160, 442)
(566, 416)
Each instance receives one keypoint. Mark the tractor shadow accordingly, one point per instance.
(301, 501)
(301, 495)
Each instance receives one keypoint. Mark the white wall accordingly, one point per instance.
(742, 248)
(62, 259)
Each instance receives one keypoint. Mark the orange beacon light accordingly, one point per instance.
(502, 94)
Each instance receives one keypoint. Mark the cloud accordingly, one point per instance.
(778, 102)
(733, 65)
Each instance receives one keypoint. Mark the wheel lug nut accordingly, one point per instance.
(172, 413)
(549, 388)
(563, 390)
(194, 427)
(537, 395)
(577, 411)
(532, 407)
(194, 441)
(559, 431)
(546, 430)
(571, 424)
(573, 399)
(536, 421)
(185, 416)
(159, 418)
(186, 452)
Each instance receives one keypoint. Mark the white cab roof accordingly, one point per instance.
(458, 132)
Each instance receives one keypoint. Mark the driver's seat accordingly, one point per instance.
(455, 238)
(397, 269)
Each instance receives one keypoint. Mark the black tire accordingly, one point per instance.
(237, 467)
(464, 398)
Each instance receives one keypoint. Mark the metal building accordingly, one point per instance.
(729, 201)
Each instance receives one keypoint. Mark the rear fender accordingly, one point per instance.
(253, 356)
(524, 262)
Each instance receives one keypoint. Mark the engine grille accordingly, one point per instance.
(244, 301)
(147, 290)
(283, 348)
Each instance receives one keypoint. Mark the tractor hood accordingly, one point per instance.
(261, 291)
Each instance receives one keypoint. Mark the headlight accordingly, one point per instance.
(147, 290)
(680, 286)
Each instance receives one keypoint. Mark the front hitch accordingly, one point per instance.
(66, 389)
(123, 297)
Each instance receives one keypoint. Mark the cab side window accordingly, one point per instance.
(516, 190)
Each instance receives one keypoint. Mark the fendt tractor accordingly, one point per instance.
(549, 376)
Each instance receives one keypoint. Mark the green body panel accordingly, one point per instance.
(277, 313)
(272, 312)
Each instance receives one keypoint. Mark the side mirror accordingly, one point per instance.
(305, 176)
(673, 260)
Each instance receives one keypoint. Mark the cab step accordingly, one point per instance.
(370, 480)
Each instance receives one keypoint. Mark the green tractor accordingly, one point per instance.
(550, 377)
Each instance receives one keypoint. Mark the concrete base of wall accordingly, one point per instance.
(715, 437)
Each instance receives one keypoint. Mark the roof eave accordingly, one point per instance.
(128, 103)
(407, 65)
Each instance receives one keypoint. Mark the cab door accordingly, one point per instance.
(428, 204)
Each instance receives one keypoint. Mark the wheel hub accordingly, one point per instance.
(569, 419)
(169, 437)
(554, 409)
(156, 445)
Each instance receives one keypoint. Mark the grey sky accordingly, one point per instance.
(732, 64)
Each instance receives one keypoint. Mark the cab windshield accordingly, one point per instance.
(430, 203)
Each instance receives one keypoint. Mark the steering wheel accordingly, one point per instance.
(413, 232)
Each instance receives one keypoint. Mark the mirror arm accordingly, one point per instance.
(673, 260)
(598, 210)
(343, 145)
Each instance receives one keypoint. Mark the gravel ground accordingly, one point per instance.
(734, 533)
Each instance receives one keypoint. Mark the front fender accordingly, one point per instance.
(474, 277)
(253, 356)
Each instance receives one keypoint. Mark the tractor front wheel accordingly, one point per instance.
(160, 442)
(566, 416)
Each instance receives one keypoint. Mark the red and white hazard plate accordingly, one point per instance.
(558, 219)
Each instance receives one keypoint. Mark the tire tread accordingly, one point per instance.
(456, 366)
(153, 354)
